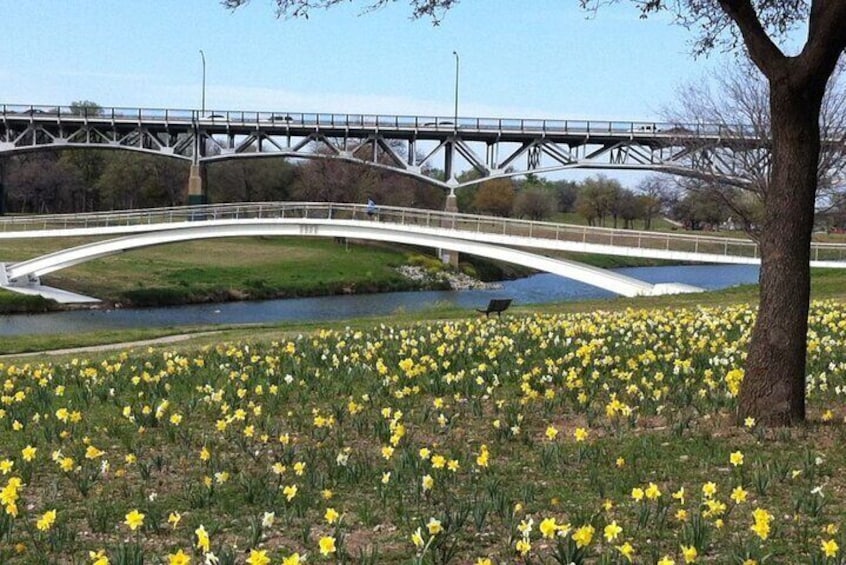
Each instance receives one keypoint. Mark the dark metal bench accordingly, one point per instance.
(497, 305)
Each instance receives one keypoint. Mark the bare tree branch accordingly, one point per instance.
(433, 9)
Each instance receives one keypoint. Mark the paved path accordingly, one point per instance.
(111, 346)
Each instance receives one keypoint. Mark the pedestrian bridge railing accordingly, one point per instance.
(530, 232)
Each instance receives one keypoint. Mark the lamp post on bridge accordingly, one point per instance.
(451, 205)
(203, 105)
(455, 123)
(197, 174)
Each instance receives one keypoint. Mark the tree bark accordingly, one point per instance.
(773, 390)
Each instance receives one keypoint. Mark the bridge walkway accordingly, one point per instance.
(537, 234)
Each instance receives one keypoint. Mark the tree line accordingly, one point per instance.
(88, 180)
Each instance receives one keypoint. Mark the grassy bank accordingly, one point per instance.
(225, 269)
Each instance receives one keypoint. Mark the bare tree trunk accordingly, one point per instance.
(773, 390)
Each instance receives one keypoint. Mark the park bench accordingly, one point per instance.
(496, 305)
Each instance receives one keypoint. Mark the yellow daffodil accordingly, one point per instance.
(583, 535)
(434, 526)
(417, 538)
(331, 516)
(46, 521)
(327, 545)
(736, 458)
(178, 558)
(293, 559)
(134, 520)
(28, 453)
(689, 553)
(203, 542)
(523, 546)
(258, 557)
(626, 550)
(611, 531)
(829, 547)
(738, 495)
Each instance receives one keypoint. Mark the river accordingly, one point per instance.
(537, 289)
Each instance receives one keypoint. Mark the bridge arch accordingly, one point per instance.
(23, 271)
(413, 172)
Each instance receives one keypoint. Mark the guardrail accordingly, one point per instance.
(669, 241)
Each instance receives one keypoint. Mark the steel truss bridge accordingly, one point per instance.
(497, 238)
(411, 145)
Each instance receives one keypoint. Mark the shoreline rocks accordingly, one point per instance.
(456, 281)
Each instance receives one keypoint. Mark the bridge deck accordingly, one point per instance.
(360, 125)
(409, 145)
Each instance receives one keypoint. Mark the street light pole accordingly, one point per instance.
(203, 107)
(456, 89)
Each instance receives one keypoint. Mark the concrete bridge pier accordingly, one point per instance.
(449, 256)
(2, 187)
(197, 185)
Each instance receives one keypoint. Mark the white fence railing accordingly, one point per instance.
(18, 226)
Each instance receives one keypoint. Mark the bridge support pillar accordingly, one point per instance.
(449, 256)
(197, 185)
(2, 187)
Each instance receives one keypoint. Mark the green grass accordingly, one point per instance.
(225, 269)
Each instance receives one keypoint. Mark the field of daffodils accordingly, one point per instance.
(605, 437)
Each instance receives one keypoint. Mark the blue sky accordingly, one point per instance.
(526, 58)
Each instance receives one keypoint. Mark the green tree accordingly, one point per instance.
(495, 197)
(566, 191)
(699, 209)
(41, 183)
(86, 108)
(654, 193)
(132, 180)
(773, 390)
(598, 198)
(535, 202)
(629, 208)
(89, 163)
(250, 180)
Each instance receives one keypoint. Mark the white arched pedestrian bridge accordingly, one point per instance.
(496, 238)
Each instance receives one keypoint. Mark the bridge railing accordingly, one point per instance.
(667, 131)
(277, 119)
(12, 226)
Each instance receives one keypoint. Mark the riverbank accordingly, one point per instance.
(266, 320)
(221, 271)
